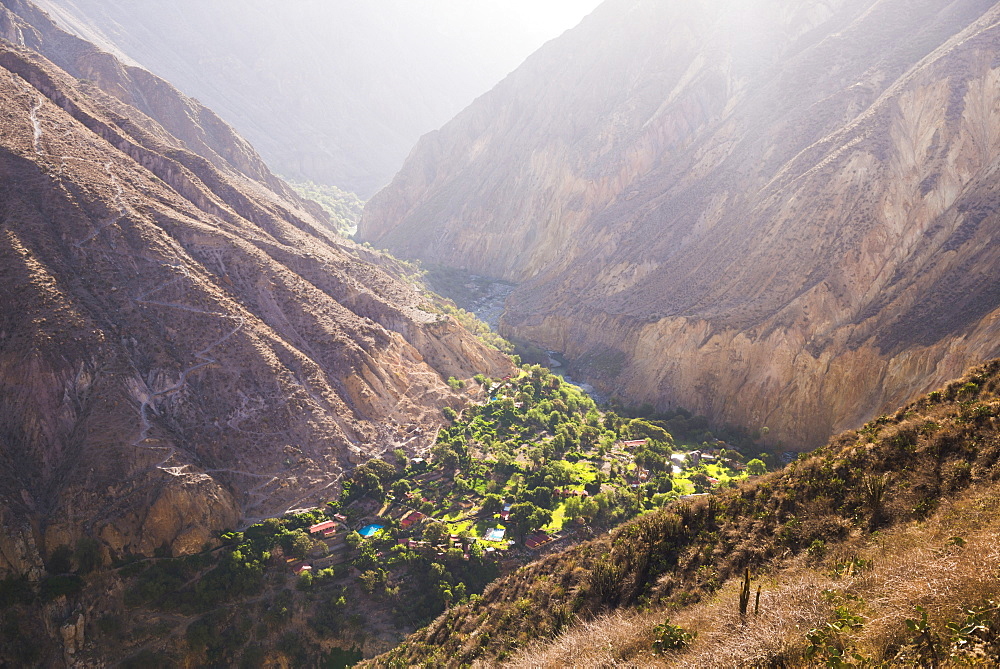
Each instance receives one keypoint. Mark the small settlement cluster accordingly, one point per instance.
(534, 462)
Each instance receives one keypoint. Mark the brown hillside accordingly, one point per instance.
(775, 214)
(181, 346)
(917, 468)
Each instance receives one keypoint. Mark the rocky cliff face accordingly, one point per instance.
(775, 213)
(181, 346)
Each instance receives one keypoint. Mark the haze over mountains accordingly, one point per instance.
(330, 91)
(182, 346)
(775, 213)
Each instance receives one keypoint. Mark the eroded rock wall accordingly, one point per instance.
(778, 214)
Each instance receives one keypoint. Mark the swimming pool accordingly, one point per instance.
(496, 534)
(369, 530)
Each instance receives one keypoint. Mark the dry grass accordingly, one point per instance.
(918, 564)
(619, 639)
(924, 475)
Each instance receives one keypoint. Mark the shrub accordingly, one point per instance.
(670, 637)
(87, 555)
(61, 560)
(62, 584)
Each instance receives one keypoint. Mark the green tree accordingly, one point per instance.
(700, 481)
(640, 429)
(445, 456)
(401, 488)
(434, 532)
(573, 508)
(401, 458)
(492, 503)
(756, 467)
(370, 579)
(589, 508)
(296, 543)
(525, 517)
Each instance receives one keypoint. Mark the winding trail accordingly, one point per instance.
(36, 125)
(114, 220)
(253, 497)
(203, 357)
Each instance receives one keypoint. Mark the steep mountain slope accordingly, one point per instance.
(775, 213)
(331, 92)
(901, 513)
(181, 345)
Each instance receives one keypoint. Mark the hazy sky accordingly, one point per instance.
(545, 18)
(513, 29)
(336, 91)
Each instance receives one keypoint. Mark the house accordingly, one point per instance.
(411, 518)
(327, 528)
(302, 568)
(537, 540)
(340, 518)
(505, 514)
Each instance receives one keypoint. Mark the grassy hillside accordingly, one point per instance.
(846, 544)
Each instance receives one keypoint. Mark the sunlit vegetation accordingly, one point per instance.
(542, 447)
(470, 322)
(343, 207)
(872, 551)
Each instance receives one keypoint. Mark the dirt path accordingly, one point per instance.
(202, 358)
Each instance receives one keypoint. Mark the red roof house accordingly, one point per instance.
(411, 518)
(326, 528)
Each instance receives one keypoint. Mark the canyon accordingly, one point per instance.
(778, 214)
(184, 346)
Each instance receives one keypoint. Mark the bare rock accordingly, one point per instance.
(775, 214)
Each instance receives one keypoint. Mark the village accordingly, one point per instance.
(533, 467)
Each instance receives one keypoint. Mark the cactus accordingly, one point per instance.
(745, 593)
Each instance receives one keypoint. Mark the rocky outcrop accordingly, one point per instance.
(182, 347)
(777, 214)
